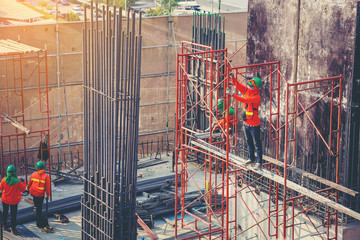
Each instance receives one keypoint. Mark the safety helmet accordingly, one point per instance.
(257, 81)
(220, 103)
(40, 165)
(11, 168)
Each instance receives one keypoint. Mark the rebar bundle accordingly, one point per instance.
(209, 29)
(111, 68)
(207, 34)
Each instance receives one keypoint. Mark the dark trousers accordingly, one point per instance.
(13, 209)
(38, 202)
(253, 133)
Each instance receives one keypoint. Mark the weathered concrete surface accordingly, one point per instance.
(312, 39)
(154, 72)
(351, 233)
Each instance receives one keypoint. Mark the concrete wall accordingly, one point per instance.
(153, 114)
(313, 40)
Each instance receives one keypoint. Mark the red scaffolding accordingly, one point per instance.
(202, 78)
(24, 93)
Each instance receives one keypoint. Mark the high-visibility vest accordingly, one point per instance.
(249, 110)
(38, 184)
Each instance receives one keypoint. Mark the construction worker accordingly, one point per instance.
(221, 110)
(11, 187)
(39, 184)
(251, 101)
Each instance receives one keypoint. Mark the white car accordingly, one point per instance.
(78, 10)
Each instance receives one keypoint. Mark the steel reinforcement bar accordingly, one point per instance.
(111, 70)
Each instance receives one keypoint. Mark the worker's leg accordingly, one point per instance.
(13, 209)
(5, 215)
(38, 201)
(250, 142)
(258, 145)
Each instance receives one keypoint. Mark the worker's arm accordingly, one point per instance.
(220, 123)
(30, 183)
(47, 185)
(239, 86)
(254, 99)
(22, 186)
(2, 184)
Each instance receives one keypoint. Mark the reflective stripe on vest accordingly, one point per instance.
(247, 112)
(39, 182)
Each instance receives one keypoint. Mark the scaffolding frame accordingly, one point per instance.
(287, 196)
(14, 56)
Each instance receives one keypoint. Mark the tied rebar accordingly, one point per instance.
(209, 29)
(111, 70)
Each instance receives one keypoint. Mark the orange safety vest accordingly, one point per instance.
(38, 184)
(251, 101)
(12, 194)
(249, 110)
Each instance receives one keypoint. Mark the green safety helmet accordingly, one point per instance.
(40, 165)
(11, 168)
(257, 81)
(220, 103)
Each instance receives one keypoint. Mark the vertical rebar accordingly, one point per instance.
(111, 107)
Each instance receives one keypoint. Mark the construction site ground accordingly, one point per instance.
(72, 230)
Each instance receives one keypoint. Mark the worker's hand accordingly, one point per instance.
(47, 198)
(231, 74)
(22, 180)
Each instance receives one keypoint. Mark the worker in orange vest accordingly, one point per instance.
(11, 187)
(251, 101)
(226, 119)
(38, 185)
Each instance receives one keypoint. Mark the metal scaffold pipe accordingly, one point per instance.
(111, 67)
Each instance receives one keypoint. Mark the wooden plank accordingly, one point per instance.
(314, 177)
(207, 135)
(270, 175)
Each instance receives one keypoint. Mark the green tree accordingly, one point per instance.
(119, 3)
(165, 7)
(159, 11)
(42, 4)
(72, 17)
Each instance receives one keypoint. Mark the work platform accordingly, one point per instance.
(240, 163)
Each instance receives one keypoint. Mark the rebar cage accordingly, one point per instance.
(112, 64)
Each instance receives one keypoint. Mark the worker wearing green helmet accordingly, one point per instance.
(11, 187)
(39, 184)
(251, 101)
(226, 119)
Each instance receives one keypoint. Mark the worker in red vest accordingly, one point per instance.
(38, 185)
(251, 101)
(11, 187)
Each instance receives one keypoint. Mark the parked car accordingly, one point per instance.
(78, 10)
